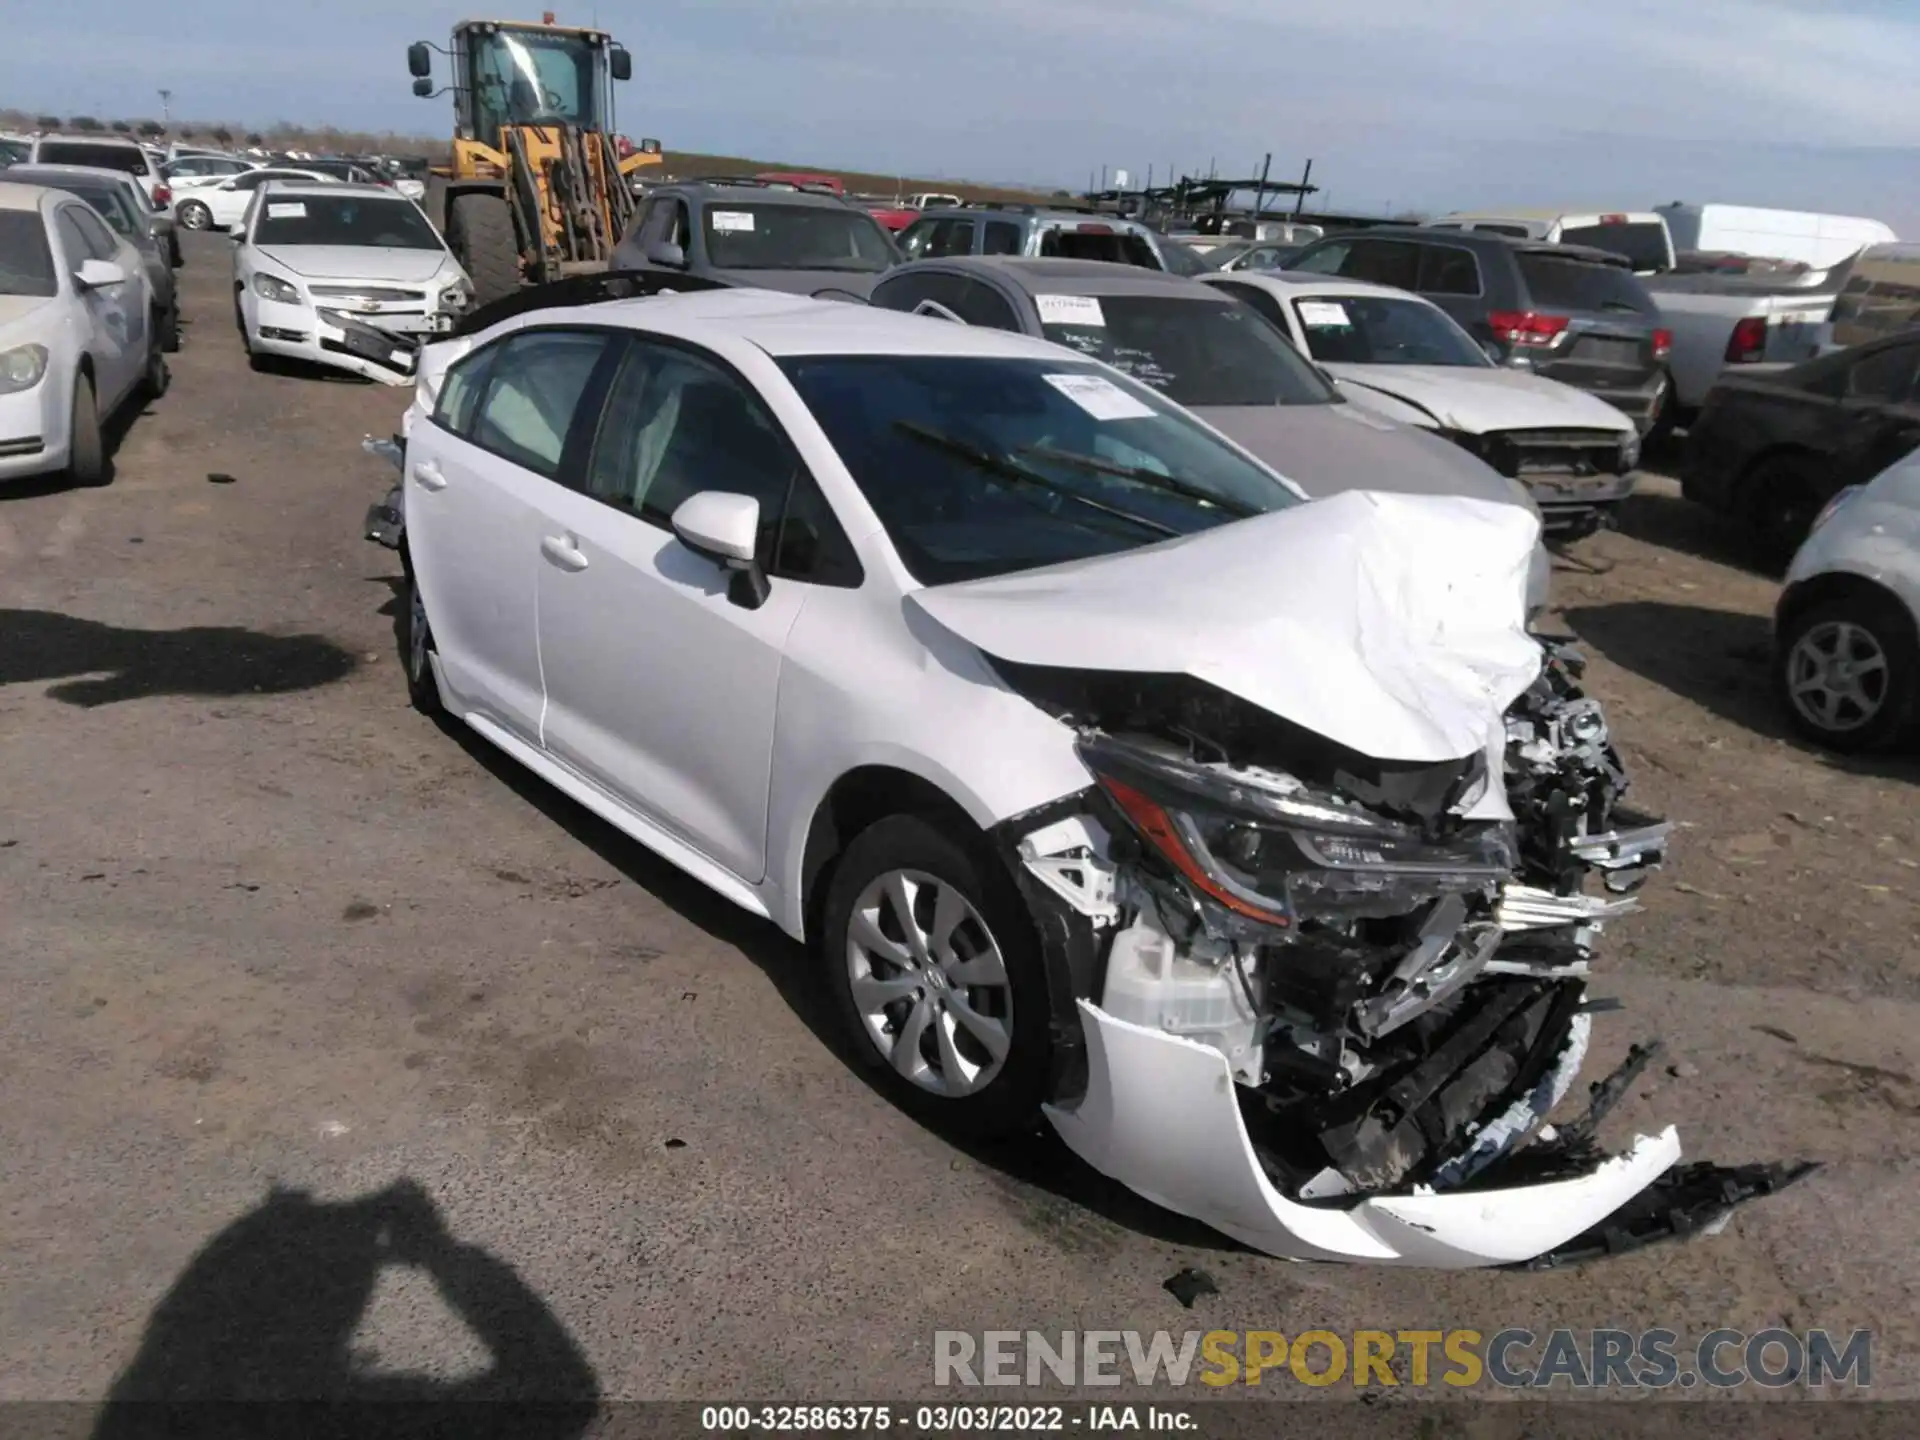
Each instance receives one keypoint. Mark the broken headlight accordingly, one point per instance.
(1271, 848)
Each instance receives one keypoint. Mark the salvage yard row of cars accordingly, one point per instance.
(1125, 683)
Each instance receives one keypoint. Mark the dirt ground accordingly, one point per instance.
(267, 927)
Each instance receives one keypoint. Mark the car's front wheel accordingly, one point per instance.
(87, 443)
(935, 966)
(1848, 672)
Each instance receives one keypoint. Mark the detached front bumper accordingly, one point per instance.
(1577, 505)
(324, 336)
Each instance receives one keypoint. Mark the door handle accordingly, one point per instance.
(561, 550)
(429, 476)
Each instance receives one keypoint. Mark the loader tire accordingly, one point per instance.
(480, 234)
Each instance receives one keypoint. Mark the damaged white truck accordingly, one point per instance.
(1252, 842)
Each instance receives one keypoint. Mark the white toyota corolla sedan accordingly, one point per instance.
(332, 273)
(1239, 836)
(76, 338)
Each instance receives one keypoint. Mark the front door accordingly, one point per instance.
(661, 686)
(118, 312)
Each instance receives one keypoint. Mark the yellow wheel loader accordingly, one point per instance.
(536, 188)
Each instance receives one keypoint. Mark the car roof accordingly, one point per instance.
(783, 324)
(1051, 275)
(712, 191)
(1307, 284)
(284, 188)
(100, 174)
(1546, 212)
(120, 140)
(15, 196)
(1484, 239)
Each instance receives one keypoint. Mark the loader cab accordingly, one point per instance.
(508, 75)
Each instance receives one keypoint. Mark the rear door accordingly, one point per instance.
(477, 481)
(1879, 412)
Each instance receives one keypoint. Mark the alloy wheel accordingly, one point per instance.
(929, 983)
(1837, 676)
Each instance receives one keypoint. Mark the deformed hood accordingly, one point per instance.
(1325, 449)
(1391, 624)
(358, 262)
(1479, 399)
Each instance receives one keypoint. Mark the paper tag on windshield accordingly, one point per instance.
(1099, 397)
(730, 222)
(1323, 314)
(1069, 310)
(286, 210)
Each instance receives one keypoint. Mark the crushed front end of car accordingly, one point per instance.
(1326, 1000)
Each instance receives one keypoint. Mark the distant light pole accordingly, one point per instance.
(166, 108)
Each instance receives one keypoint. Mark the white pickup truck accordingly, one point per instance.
(1722, 320)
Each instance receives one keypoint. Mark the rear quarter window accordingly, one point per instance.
(1556, 282)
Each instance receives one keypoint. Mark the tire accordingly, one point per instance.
(989, 1096)
(87, 455)
(1781, 499)
(416, 647)
(1864, 628)
(174, 258)
(158, 378)
(1665, 420)
(194, 216)
(480, 234)
(169, 329)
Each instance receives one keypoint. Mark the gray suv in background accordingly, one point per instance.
(1571, 313)
(749, 232)
(1033, 231)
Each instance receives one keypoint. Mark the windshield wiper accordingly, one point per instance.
(1141, 475)
(1008, 470)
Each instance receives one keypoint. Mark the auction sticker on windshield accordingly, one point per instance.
(1100, 397)
(1323, 314)
(286, 210)
(1069, 310)
(732, 221)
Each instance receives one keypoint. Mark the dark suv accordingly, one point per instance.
(754, 232)
(1570, 313)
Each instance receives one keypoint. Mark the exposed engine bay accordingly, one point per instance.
(1388, 960)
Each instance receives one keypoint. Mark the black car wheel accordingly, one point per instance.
(1848, 672)
(934, 964)
(87, 443)
(416, 642)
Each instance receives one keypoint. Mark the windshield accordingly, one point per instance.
(772, 236)
(1567, 284)
(26, 261)
(1197, 351)
(1644, 244)
(525, 77)
(129, 158)
(343, 220)
(1384, 330)
(983, 466)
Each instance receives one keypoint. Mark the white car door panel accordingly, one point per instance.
(116, 314)
(477, 503)
(660, 687)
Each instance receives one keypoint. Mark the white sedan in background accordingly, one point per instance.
(222, 205)
(76, 342)
(1404, 357)
(349, 276)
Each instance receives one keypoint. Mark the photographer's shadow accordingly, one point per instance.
(264, 1316)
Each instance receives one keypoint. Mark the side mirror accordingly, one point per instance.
(620, 63)
(423, 88)
(667, 255)
(99, 274)
(419, 60)
(725, 528)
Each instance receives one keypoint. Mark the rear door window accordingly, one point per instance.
(1560, 283)
(1448, 270)
(1384, 262)
(1885, 377)
(1002, 237)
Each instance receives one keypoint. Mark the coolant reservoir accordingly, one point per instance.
(1152, 983)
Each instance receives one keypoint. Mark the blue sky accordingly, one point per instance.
(1409, 103)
